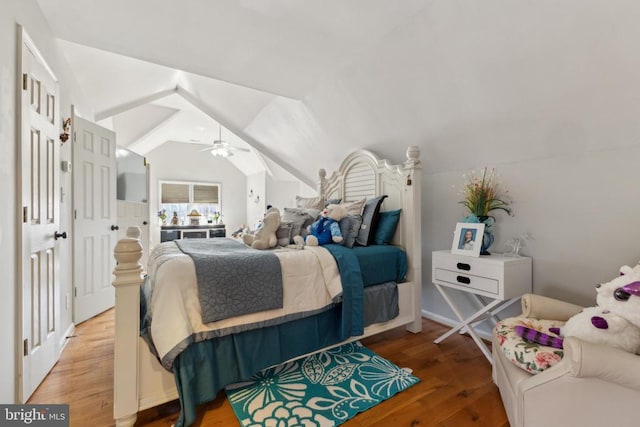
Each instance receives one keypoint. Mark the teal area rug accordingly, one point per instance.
(324, 389)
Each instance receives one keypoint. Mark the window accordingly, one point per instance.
(182, 197)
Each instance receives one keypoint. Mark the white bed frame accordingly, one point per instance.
(140, 382)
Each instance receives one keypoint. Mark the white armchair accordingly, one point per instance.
(593, 385)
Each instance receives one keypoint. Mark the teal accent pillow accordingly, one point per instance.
(386, 228)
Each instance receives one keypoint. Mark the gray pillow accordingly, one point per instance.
(349, 227)
(283, 234)
(369, 220)
(299, 220)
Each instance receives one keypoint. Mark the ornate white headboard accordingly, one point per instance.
(363, 174)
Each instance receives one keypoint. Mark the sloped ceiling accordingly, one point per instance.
(303, 82)
(181, 69)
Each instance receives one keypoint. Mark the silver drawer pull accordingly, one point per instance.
(463, 279)
(463, 266)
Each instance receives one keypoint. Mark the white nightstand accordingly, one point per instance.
(502, 278)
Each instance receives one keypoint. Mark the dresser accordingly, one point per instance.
(174, 232)
(494, 281)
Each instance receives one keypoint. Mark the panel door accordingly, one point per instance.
(95, 227)
(39, 184)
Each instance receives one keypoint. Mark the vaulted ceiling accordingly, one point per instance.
(162, 70)
(304, 82)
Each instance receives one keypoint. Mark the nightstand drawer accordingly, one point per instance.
(475, 267)
(471, 281)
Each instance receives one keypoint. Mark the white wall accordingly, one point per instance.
(177, 161)
(545, 91)
(282, 194)
(27, 13)
(256, 188)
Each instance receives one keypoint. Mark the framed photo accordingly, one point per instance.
(467, 239)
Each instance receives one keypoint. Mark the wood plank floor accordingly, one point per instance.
(456, 387)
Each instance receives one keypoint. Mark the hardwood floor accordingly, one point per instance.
(456, 387)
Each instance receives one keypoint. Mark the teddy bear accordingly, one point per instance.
(325, 229)
(615, 321)
(265, 235)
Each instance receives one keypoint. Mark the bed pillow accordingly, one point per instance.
(369, 220)
(349, 227)
(310, 202)
(313, 213)
(299, 219)
(284, 234)
(386, 228)
(354, 207)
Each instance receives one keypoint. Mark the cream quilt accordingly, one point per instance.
(311, 283)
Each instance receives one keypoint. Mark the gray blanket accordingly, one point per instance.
(233, 279)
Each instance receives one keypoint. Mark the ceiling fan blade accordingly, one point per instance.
(206, 149)
(235, 147)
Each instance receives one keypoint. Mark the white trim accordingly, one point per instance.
(68, 334)
(26, 40)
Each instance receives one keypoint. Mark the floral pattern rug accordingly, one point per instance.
(324, 389)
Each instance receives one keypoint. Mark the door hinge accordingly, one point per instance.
(25, 347)
(75, 292)
(74, 137)
(25, 81)
(25, 214)
(75, 214)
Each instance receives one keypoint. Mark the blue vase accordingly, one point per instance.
(487, 238)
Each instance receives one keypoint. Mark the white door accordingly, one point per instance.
(94, 225)
(39, 182)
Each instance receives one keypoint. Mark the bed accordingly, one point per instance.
(140, 380)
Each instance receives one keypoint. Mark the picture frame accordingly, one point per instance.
(467, 239)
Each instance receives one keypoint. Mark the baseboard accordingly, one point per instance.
(65, 339)
(482, 333)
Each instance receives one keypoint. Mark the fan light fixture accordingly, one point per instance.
(220, 148)
(220, 152)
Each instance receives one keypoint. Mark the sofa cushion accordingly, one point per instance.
(532, 357)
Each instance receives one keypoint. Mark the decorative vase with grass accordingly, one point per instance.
(482, 194)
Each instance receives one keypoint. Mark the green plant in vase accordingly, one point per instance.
(482, 195)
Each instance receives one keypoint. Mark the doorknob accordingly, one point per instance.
(144, 222)
(114, 227)
(57, 235)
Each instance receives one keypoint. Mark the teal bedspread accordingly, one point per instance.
(381, 263)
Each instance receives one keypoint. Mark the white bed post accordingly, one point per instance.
(128, 279)
(413, 231)
(322, 183)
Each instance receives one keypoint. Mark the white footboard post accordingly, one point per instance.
(413, 232)
(128, 279)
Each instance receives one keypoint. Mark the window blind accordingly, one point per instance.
(175, 193)
(205, 193)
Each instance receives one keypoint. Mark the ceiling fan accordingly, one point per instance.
(222, 148)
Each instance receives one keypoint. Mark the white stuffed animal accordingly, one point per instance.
(615, 321)
(622, 294)
(265, 235)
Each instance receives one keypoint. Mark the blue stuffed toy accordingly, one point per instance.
(326, 229)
